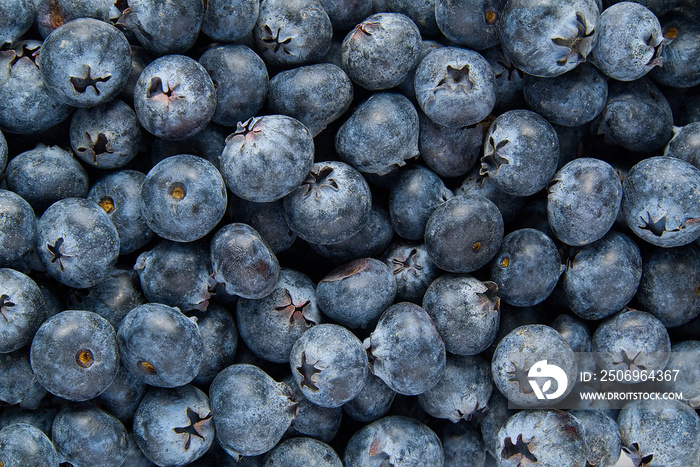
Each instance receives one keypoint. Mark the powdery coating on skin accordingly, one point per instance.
(475, 184)
(57, 346)
(33, 107)
(686, 381)
(518, 351)
(465, 311)
(164, 26)
(25, 443)
(661, 201)
(602, 277)
(292, 32)
(85, 62)
(332, 204)
(18, 16)
(160, 346)
(266, 158)
(666, 430)
(316, 94)
(372, 402)
(242, 261)
(241, 82)
(174, 426)
(86, 436)
(449, 152)
(473, 24)
(521, 152)
(37, 174)
(462, 444)
(405, 350)
(685, 143)
(174, 97)
(123, 396)
(329, 364)
(629, 42)
(631, 340)
(548, 38)
(271, 325)
(183, 198)
(220, 338)
(18, 234)
(23, 307)
(455, 87)
(18, 384)
(380, 135)
(266, 218)
(381, 50)
(602, 436)
(77, 242)
(307, 450)
(356, 293)
(228, 21)
(583, 200)
(413, 269)
(464, 233)
(463, 390)
(396, 440)
(310, 419)
(553, 437)
(679, 69)
(251, 411)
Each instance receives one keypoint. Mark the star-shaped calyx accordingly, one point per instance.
(575, 43)
(520, 449)
(82, 84)
(295, 310)
(307, 370)
(194, 427)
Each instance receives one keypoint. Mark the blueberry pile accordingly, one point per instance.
(346, 232)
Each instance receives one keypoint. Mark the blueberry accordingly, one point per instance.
(629, 43)
(464, 233)
(242, 261)
(583, 201)
(28, 105)
(526, 268)
(251, 411)
(541, 437)
(372, 402)
(207, 144)
(471, 23)
(310, 419)
(168, 27)
(306, 451)
(86, 436)
(463, 390)
(414, 197)
(631, 340)
(19, 16)
(394, 440)
(518, 352)
(220, 339)
(112, 298)
(123, 396)
(463, 445)
(455, 87)
(651, 432)
(356, 293)
(183, 198)
(271, 325)
(602, 277)
(23, 444)
(405, 349)
(571, 99)
(160, 346)
(413, 269)
(682, 360)
(602, 437)
(680, 31)
(77, 242)
(381, 50)
(495, 417)
(41, 418)
(292, 32)
(465, 312)
(266, 218)
(659, 201)
(521, 152)
(18, 384)
(85, 62)
(509, 80)
(475, 184)
(107, 136)
(18, 235)
(685, 143)
(174, 426)
(46, 174)
(380, 135)
(576, 333)
(174, 97)
(548, 39)
(50, 14)
(329, 365)
(331, 205)
(345, 14)
(74, 355)
(229, 21)
(267, 158)
(316, 95)
(240, 78)
(119, 195)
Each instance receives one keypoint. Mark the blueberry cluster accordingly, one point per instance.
(346, 232)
